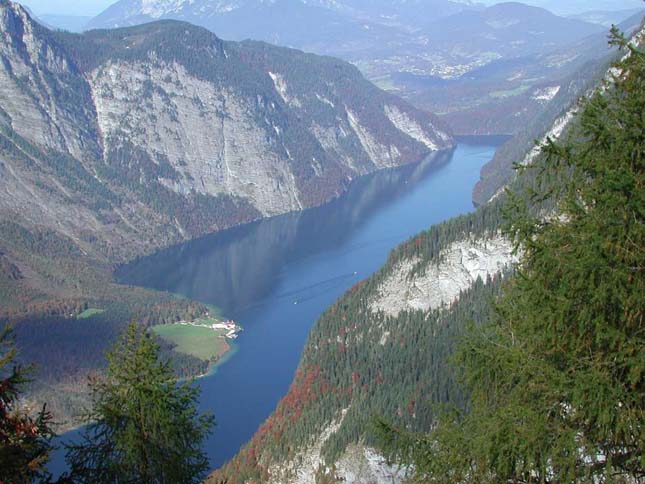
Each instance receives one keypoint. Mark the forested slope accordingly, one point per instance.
(499, 171)
(361, 362)
(384, 349)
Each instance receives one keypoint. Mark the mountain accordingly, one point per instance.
(115, 143)
(293, 23)
(384, 348)
(214, 13)
(356, 28)
(504, 30)
(158, 133)
(555, 117)
(408, 14)
(607, 18)
(572, 7)
(165, 132)
(430, 52)
(506, 94)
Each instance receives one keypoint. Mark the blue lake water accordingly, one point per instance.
(276, 277)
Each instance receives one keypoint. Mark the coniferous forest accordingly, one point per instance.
(555, 377)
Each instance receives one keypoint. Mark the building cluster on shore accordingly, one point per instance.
(229, 326)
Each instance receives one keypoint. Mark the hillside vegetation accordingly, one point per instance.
(545, 353)
(556, 375)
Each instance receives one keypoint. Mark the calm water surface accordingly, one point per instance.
(277, 276)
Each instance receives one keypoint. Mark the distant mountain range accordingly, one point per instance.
(210, 12)
(348, 26)
(505, 30)
(572, 7)
(607, 18)
(394, 43)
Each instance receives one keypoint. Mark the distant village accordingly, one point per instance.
(230, 326)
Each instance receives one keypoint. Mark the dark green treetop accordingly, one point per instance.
(144, 427)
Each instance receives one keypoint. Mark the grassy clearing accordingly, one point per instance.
(89, 312)
(203, 343)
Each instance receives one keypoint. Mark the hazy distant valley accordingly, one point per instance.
(485, 70)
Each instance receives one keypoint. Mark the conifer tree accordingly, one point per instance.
(25, 440)
(556, 378)
(144, 426)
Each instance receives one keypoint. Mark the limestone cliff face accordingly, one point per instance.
(208, 135)
(36, 78)
(162, 132)
(441, 282)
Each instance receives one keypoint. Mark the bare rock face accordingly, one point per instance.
(357, 464)
(162, 132)
(440, 284)
(208, 136)
(35, 77)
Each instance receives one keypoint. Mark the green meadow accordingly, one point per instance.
(203, 343)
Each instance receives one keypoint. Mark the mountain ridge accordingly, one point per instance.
(159, 133)
(405, 47)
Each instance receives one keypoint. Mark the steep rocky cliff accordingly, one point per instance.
(124, 141)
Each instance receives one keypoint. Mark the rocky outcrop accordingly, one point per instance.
(308, 462)
(208, 136)
(359, 464)
(408, 287)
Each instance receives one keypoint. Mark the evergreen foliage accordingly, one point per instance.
(556, 377)
(24, 438)
(144, 426)
(349, 365)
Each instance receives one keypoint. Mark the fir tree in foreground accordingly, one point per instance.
(24, 438)
(556, 379)
(144, 426)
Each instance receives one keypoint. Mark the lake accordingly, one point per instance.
(276, 277)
